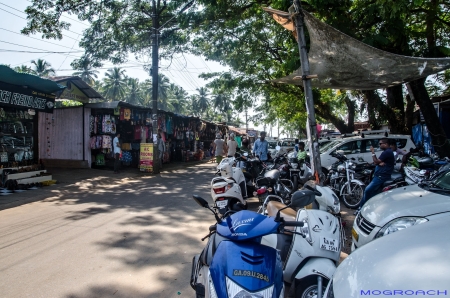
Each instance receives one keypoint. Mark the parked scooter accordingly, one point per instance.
(309, 260)
(234, 263)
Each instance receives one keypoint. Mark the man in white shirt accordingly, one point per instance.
(232, 145)
(219, 147)
(117, 150)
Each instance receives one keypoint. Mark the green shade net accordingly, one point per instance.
(9, 76)
(342, 62)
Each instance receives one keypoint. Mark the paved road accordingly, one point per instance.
(107, 238)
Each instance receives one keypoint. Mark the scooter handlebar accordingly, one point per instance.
(293, 223)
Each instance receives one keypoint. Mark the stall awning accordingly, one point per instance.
(21, 90)
(342, 62)
(76, 89)
(29, 81)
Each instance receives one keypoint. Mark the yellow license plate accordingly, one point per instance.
(355, 234)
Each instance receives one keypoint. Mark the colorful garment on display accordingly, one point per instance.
(100, 159)
(117, 111)
(122, 114)
(127, 114)
(106, 142)
(126, 156)
(137, 132)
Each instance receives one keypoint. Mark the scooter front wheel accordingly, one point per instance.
(352, 198)
(307, 287)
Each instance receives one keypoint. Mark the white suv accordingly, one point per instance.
(359, 147)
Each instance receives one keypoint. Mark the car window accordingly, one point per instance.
(325, 148)
(272, 145)
(443, 181)
(288, 143)
(401, 143)
(352, 147)
(373, 143)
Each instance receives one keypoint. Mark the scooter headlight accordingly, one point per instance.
(400, 224)
(294, 165)
(305, 231)
(235, 291)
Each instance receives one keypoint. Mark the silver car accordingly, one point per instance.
(412, 263)
(402, 208)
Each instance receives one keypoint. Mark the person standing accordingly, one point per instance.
(117, 150)
(301, 155)
(296, 144)
(261, 147)
(232, 145)
(385, 165)
(219, 147)
(161, 149)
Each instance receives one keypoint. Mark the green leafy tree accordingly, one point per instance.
(24, 69)
(115, 84)
(203, 99)
(85, 71)
(42, 68)
(134, 93)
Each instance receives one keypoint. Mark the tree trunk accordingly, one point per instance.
(438, 136)
(395, 103)
(409, 112)
(369, 98)
(351, 114)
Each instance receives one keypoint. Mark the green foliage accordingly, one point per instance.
(42, 68)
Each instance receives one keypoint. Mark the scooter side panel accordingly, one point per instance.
(246, 225)
(252, 266)
(322, 265)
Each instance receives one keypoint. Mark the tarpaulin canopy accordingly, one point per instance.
(9, 76)
(342, 62)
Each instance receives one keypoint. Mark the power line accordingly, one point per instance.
(68, 54)
(45, 51)
(35, 38)
(27, 20)
(33, 52)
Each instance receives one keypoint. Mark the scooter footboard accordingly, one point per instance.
(317, 266)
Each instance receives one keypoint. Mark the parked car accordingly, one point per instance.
(359, 147)
(272, 147)
(414, 262)
(286, 145)
(401, 208)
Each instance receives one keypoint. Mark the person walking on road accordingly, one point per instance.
(261, 147)
(219, 148)
(117, 150)
(161, 149)
(232, 146)
(385, 165)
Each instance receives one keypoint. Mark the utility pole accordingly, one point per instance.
(246, 121)
(311, 125)
(155, 71)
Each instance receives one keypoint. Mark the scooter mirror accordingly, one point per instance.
(302, 198)
(277, 148)
(202, 202)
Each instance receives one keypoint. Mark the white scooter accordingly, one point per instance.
(310, 253)
(229, 190)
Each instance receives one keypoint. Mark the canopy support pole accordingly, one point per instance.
(311, 125)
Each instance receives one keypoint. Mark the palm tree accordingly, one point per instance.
(42, 68)
(115, 84)
(203, 99)
(177, 98)
(23, 69)
(193, 105)
(218, 101)
(134, 91)
(163, 92)
(85, 71)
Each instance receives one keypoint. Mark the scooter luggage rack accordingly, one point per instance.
(262, 208)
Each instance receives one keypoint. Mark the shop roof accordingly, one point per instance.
(82, 86)
(9, 76)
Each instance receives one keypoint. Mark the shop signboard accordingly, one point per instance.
(146, 157)
(25, 98)
(72, 92)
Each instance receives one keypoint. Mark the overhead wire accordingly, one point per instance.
(33, 47)
(35, 38)
(26, 20)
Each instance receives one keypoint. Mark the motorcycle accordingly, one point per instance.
(342, 180)
(234, 262)
(298, 171)
(271, 183)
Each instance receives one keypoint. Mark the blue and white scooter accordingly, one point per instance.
(234, 263)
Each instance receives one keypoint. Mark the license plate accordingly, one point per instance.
(222, 204)
(329, 244)
(355, 234)
(294, 170)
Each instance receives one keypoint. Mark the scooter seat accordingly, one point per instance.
(288, 214)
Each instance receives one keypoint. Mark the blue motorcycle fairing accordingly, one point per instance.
(254, 267)
(245, 225)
